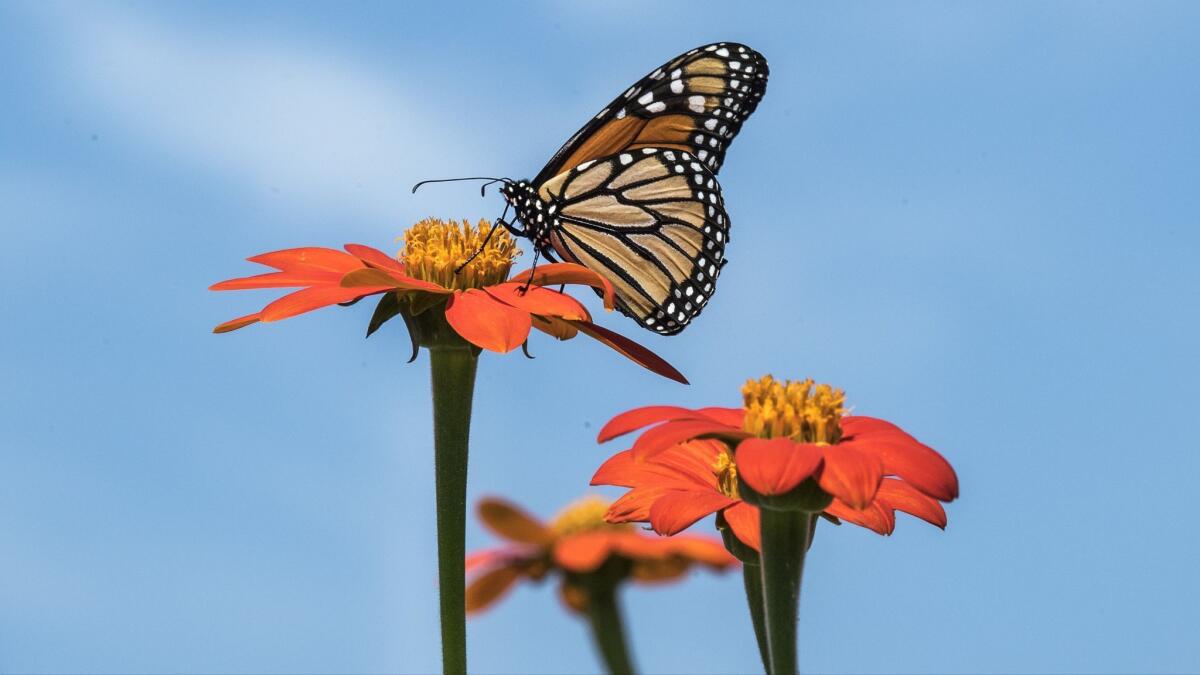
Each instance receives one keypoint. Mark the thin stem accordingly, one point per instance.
(752, 578)
(453, 374)
(785, 536)
(607, 630)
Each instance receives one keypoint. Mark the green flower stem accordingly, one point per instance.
(607, 630)
(752, 578)
(785, 537)
(453, 371)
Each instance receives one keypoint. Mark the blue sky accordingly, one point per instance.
(980, 220)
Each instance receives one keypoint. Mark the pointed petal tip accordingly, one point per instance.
(234, 324)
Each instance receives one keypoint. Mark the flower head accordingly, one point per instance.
(576, 543)
(448, 282)
(692, 463)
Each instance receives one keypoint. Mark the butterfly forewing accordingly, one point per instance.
(695, 102)
(652, 221)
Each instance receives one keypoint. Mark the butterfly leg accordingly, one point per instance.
(524, 289)
(500, 222)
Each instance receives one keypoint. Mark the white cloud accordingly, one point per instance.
(307, 120)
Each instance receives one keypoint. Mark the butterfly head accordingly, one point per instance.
(531, 210)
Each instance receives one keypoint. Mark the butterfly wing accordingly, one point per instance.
(652, 221)
(696, 102)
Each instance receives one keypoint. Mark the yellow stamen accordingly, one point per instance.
(726, 472)
(802, 411)
(435, 249)
(584, 515)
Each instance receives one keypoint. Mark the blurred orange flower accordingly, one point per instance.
(693, 463)
(445, 268)
(578, 542)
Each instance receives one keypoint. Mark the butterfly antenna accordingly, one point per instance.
(452, 180)
(483, 188)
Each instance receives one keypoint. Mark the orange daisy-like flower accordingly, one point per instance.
(459, 272)
(577, 543)
(788, 436)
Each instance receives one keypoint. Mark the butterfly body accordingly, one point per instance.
(633, 195)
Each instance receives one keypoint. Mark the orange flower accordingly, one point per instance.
(696, 462)
(445, 268)
(577, 543)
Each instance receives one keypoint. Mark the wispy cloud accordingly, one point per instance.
(307, 120)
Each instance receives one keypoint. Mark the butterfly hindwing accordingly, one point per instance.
(695, 102)
(652, 221)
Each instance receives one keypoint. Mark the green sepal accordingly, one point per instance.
(735, 546)
(387, 309)
(418, 303)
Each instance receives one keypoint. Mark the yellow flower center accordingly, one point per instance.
(726, 472)
(584, 515)
(803, 411)
(434, 250)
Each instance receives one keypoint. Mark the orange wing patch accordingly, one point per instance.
(608, 140)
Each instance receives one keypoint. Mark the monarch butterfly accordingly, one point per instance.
(633, 195)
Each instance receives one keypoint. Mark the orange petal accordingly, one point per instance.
(486, 322)
(731, 416)
(308, 299)
(554, 326)
(240, 322)
(874, 517)
(568, 273)
(511, 522)
(619, 470)
(677, 510)
(678, 468)
(903, 455)
(371, 277)
(688, 464)
(896, 494)
(630, 349)
(490, 587)
(279, 280)
(704, 550)
(488, 557)
(849, 474)
(632, 420)
(309, 258)
(775, 466)
(538, 300)
(634, 506)
(637, 544)
(666, 435)
(744, 520)
(583, 552)
(374, 257)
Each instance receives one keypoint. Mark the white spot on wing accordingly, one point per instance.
(696, 103)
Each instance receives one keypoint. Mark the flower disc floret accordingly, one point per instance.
(454, 255)
(800, 410)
